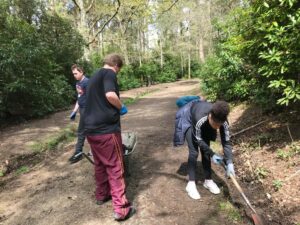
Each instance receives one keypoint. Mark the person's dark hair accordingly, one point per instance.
(76, 66)
(220, 111)
(113, 60)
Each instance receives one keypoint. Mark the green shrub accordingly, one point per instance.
(96, 60)
(128, 79)
(256, 55)
(37, 50)
(274, 46)
(147, 72)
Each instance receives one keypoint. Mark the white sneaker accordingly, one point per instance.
(192, 190)
(211, 186)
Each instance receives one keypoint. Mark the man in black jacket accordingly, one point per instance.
(205, 119)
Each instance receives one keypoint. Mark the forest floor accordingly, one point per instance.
(43, 188)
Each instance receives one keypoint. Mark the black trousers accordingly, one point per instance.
(193, 155)
(80, 133)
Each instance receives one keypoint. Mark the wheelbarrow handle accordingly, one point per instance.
(88, 158)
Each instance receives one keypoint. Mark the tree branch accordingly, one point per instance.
(90, 6)
(128, 20)
(248, 128)
(76, 4)
(288, 128)
(95, 21)
(174, 3)
(104, 25)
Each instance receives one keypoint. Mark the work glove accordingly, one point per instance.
(72, 115)
(123, 110)
(217, 159)
(230, 169)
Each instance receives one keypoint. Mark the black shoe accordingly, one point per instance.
(101, 202)
(75, 158)
(131, 212)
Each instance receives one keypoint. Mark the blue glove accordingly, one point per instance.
(123, 110)
(217, 159)
(230, 169)
(72, 115)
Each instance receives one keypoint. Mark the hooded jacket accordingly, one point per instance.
(195, 115)
(182, 123)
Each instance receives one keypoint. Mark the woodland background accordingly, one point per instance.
(241, 50)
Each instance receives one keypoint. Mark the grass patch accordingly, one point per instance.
(289, 151)
(277, 184)
(231, 212)
(22, 163)
(147, 92)
(261, 172)
(22, 170)
(284, 155)
(295, 148)
(262, 139)
(66, 135)
(129, 101)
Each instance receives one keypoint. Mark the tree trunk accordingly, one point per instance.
(189, 57)
(123, 42)
(125, 52)
(189, 65)
(100, 45)
(82, 25)
(161, 53)
(201, 50)
(82, 14)
(210, 28)
(181, 64)
(140, 41)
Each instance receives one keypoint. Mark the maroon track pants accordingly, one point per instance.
(109, 170)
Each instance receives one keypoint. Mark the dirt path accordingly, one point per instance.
(54, 192)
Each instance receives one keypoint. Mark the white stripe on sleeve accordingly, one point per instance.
(198, 127)
(226, 131)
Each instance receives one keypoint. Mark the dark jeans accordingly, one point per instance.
(80, 133)
(193, 155)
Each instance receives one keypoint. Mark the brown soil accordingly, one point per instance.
(268, 162)
(55, 192)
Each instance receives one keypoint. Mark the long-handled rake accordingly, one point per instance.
(256, 218)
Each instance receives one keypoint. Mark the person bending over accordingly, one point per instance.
(199, 122)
